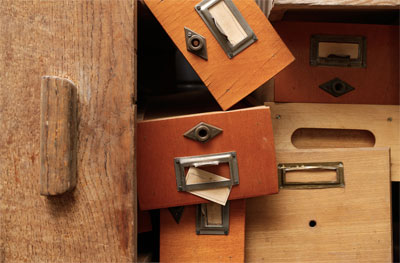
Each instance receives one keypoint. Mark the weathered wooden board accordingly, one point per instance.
(383, 121)
(92, 44)
(279, 7)
(229, 80)
(180, 243)
(353, 224)
(248, 132)
(58, 136)
(378, 83)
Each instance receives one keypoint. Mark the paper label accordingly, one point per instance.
(217, 195)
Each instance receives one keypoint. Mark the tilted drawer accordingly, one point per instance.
(245, 147)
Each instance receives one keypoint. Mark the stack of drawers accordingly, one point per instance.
(309, 172)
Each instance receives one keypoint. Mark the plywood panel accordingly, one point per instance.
(90, 43)
(378, 83)
(248, 132)
(180, 243)
(353, 224)
(279, 7)
(229, 80)
(383, 121)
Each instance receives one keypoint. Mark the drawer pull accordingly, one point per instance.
(58, 136)
(202, 132)
(181, 163)
(285, 168)
(196, 43)
(336, 87)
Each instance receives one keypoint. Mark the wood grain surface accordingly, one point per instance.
(180, 243)
(58, 136)
(352, 224)
(229, 80)
(378, 83)
(248, 132)
(91, 43)
(279, 7)
(383, 121)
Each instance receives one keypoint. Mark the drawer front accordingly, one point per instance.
(247, 133)
(306, 125)
(349, 223)
(327, 68)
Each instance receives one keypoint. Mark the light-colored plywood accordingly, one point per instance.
(353, 224)
(279, 7)
(90, 43)
(377, 83)
(383, 121)
(179, 243)
(229, 80)
(244, 131)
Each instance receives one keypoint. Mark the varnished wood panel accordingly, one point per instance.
(180, 243)
(90, 43)
(353, 224)
(248, 132)
(229, 80)
(381, 120)
(378, 83)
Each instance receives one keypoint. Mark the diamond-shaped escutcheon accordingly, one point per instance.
(336, 87)
(202, 132)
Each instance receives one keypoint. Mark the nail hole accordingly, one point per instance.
(312, 223)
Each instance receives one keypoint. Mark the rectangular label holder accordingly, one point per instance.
(218, 25)
(204, 228)
(284, 168)
(181, 163)
(338, 60)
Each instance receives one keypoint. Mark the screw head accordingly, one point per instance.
(389, 119)
(277, 116)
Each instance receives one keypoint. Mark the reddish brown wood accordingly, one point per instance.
(378, 83)
(247, 131)
(229, 80)
(180, 243)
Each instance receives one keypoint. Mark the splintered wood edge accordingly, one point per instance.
(58, 145)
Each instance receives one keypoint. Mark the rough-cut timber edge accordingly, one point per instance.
(91, 43)
(58, 136)
(279, 7)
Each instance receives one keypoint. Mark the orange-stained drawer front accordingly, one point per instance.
(180, 243)
(247, 132)
(377, 83)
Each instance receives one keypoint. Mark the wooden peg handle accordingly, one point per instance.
(58, 136)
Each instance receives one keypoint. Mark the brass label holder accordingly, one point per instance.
(284, 168)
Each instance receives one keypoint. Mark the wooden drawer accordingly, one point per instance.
(228, 79)
(312, 125)
(377, 82)
(340, 224)
(180, 243)
(246, 132)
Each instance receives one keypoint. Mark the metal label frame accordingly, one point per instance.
(181, 163)
(333, 166)
(360, 62)
(203, 10)
(201, 222)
